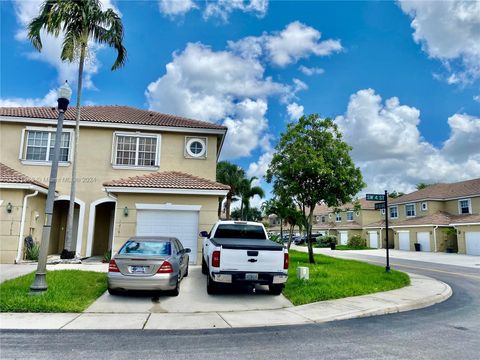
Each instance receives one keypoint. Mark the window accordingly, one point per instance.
(323, 219)
(238, 231)
(154, 248)
(393, 212)
(196, 147)
(464, 206)
(39, 145)
(424, 206)
(338, 217)
(349, 215)
(410, 210)
(136, 150)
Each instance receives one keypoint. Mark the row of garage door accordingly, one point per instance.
(472, 241)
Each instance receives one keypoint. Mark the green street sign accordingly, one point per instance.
(379, 206)
(375, 197)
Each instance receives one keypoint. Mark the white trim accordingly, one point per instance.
(403, 231)
(44, 163)
(113, 125)
(139, 190)
(469, 206)
(188, 142)
(414, 210)
(91, 222)
(460, 224)
(22, 142)
(136, 135)
(22, 226)
(390, 214)
(23, 149)
(412, 226)
(81, 220)
(167, 206)
(133, 167)
(24, 186)
(422, 207)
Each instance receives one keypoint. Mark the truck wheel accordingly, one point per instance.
(204, 267)
(212, 287)
(275, 289)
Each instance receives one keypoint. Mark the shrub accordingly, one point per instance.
(357, 241)
(32, 252)
(107, 256)
(324, 241)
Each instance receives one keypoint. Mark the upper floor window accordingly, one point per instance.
(338, 217)
(323, 219)
(136, 150)
(38, 145)
(410, 210)
(393, 212)
(349, 215)
(464, 206)
(196, 147)
(424, 206)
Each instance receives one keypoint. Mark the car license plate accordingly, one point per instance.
(251, 276)
(137, 269)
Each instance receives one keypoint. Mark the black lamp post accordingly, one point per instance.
(40, 283)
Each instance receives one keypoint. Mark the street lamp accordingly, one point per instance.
(40, 283)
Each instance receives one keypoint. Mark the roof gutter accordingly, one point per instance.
(140, 190)
(435, 237)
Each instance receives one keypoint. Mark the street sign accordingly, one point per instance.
(375, 197)
(379, 206)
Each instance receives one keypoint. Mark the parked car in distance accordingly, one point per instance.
(239, 252)
(148, 263)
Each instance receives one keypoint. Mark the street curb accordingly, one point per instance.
(422, 292)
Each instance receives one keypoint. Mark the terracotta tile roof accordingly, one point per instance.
(442, 191)
(439, 218)
(9, 175)
(111, 114)
(322, 209)
(168, 180)
(351, 225)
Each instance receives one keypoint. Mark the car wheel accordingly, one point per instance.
(204, 267)
(186, 272)
(113, 291)
(212, 286)
(275, 289)
(176, 291)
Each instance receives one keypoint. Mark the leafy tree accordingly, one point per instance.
(394, 194)
(79, 21)
(246, 191)
(231, 175)
(252, 214)
(312, 163)
(422, 185)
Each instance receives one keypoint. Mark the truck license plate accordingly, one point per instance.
(251, 276)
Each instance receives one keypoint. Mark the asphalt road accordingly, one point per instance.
(450, 330)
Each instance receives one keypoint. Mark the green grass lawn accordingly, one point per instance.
(332, 278)
(346, 247)
(68, 291)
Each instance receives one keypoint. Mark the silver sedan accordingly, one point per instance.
(148, 263)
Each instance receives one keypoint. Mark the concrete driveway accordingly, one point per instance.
(193, 298)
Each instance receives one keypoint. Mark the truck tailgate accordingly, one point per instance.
(251, 260)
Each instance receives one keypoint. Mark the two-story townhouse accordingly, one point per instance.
(425, 216)
(139, 173)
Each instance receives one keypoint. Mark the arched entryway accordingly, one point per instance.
(59, 226)
(100, 229)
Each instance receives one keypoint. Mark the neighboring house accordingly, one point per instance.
(139, 173)
(432, 216)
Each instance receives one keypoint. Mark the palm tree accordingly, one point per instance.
(231, 175)
(79, 21)
(246, 191)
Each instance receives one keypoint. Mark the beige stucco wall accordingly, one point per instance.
(461, 229)
(125, 226)
(94, 162)
(10, 222)
(452, 205)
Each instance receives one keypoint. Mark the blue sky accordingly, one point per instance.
(401, 79)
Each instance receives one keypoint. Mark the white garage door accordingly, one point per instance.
(404, 240)
(343, 237)
(472, 242)
(423, 238)
(373, 237)
(180, 224)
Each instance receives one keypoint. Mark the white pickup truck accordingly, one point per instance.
(239, 252)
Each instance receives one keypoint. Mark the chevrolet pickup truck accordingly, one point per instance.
(239, 252)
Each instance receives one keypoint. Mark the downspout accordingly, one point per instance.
(22, 226)
(435, 237)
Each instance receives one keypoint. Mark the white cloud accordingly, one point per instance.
(476, 98)
(298, 41)
(448, 31)
(223, 8)
(176, 7)
(295, 111)
(217, 86)
(309, 71)
(25, 11)
(48, 100)
(391, 152)
(295, 42)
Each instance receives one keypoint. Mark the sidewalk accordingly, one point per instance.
(432, 257)
(422, 292)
